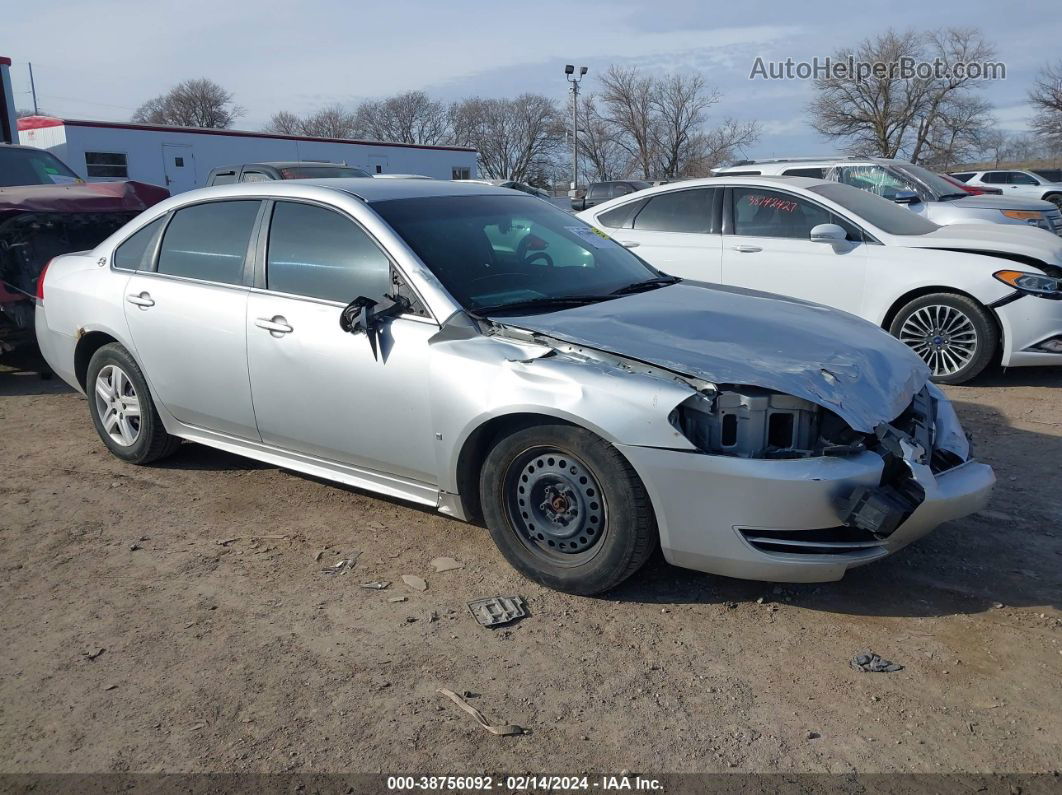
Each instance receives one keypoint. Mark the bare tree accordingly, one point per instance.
(659, 123)
(516, 138)
(1046, 98)
(961, 130)
(410, 118)
(333, 121)
(717, 146)
(284, 122)
(679, 105)
(600, 152)
(889, 113)
(193, 103)
(627, 99)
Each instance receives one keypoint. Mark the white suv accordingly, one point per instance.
(1013, 182)
(922, 190)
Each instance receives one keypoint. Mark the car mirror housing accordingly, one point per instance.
(905, 197)
(828, 233)
(362, 315)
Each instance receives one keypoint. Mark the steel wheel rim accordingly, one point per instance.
(943, 336)
(555, 506)
(117, 405)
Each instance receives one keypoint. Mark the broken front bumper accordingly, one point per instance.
(782, 520)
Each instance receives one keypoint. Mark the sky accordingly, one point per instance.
(99, 59)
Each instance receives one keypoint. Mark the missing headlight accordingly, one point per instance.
(750, 422)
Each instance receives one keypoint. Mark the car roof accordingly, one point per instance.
(368, 190)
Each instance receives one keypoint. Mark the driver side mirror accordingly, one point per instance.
(828, 233)
(905, 197)
(363, 315)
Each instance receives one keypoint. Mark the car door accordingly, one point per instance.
(1024, 185)
(322, 391)
(187, 316)
(676, 231)
(766, 245)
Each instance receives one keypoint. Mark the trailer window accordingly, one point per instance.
(460, 173)
(106, 164)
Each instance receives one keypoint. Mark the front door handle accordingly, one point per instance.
(747, 249)
(629, 243)
(143, 300)
(274, 325)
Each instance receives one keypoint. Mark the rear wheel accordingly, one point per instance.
(953, 334)
(122, 409)
(566, 509)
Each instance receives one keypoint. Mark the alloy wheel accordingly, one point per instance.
(943, 336)
(117, 405)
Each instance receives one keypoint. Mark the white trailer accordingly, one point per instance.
(180, 158)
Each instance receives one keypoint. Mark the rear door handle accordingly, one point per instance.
(629, 243)
(143, 300)
(274, 325)
(747, 249)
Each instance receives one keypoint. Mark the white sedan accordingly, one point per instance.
(959, 295)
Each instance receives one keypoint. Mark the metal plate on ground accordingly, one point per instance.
(498, 610)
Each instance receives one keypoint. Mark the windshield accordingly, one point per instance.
(937, 186)
(318, 172)
(882, 213)
(33, 167)
(496, 251)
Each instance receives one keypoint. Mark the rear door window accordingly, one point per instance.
(316, 252)
(994, 178)
(620, 217)
(209, 241)
(678, 211)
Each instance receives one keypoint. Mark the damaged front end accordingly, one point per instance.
(756, 423)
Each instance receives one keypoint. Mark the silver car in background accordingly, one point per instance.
(922, 191)
(478, 351)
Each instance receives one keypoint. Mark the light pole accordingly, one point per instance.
(569, 73)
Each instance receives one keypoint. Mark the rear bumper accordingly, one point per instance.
(783, 520)
(56, 348)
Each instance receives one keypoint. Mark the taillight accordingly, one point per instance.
(40, 282)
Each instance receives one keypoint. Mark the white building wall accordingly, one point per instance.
(144, 152)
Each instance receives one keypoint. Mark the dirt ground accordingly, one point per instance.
(176, 618)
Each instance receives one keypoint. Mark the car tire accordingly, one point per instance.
(1055, 199)
(122, 409)
(566, 509)
(953, 334)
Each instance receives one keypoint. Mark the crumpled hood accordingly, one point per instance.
(729, 335)
(84, 197)
(1005, 238)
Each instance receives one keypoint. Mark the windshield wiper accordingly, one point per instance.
(546, 302)
(648, 284)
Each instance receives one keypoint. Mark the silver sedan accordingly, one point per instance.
(476, 350)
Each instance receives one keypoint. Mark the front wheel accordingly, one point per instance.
(566, 508)
(953, 334)
(1055, 199)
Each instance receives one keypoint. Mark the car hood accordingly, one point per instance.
(1029, 241)
(733, 336)
(990, 201)
(83, 197)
